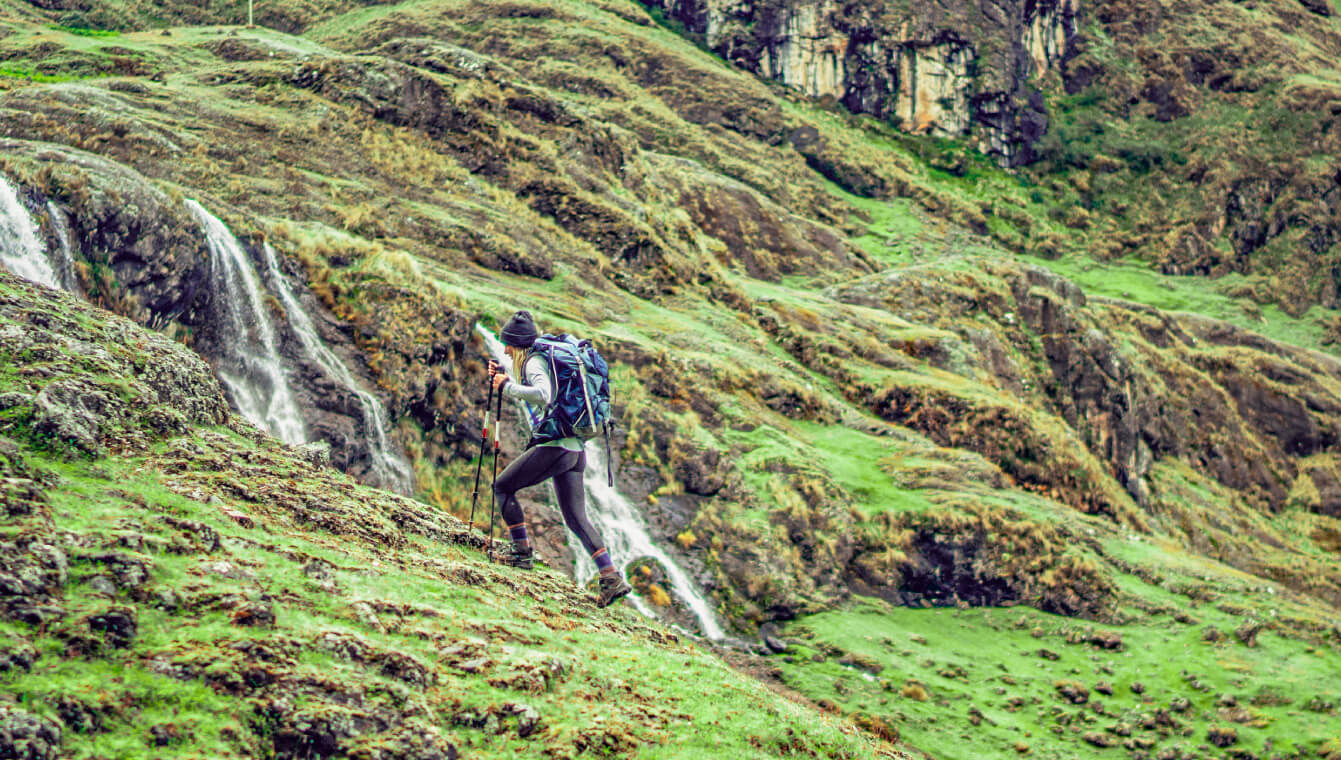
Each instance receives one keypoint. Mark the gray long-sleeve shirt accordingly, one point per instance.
(535, 389)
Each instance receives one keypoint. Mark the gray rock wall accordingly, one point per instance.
(944, 68)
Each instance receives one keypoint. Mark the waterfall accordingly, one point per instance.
(627, 538)
(623, 529)
(64, 263)
(389, 468)
(250, 368)
(21, 252)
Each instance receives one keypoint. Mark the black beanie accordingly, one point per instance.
(520, 331)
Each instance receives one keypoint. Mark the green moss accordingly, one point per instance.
(11, 71)
(85, 31)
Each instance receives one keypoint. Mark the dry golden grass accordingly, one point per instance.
(914, 691)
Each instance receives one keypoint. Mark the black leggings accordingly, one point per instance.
(538, 464)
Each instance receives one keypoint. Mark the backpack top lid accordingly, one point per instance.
(548, 342)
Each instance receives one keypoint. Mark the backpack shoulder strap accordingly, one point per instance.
(545, 352)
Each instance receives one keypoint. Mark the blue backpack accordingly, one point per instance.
(579, 404)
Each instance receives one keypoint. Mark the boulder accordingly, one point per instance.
(24, 736)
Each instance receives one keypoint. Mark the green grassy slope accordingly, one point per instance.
(990, 682)
(200, 591)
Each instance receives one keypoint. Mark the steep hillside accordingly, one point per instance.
(177, 584)
(866, 381)
(1211, 139)
(1200, 138)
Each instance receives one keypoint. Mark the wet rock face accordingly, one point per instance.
(946, 69)
(119, 220)
(156, 271)
(648, 577)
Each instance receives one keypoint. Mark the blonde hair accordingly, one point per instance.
(518, 356)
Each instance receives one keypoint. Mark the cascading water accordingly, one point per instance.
(21, 251)
(64, 263)
(251, 368)
(389, 469)
(627, 538)
(621, 526)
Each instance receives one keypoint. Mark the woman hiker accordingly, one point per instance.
(563, 460)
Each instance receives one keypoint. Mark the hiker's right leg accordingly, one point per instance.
(572, 502)
(535, 465)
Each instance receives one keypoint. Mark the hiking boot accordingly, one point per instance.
(613, 588)
(518, 557)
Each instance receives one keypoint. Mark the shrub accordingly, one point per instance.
(876, 726)
(1222, 736)
(658, 596)
(915, 691)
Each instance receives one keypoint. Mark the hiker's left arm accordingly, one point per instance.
(535, 390)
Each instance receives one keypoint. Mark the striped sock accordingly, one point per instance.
(518, 532)
(603, 562)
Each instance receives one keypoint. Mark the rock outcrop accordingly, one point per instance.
(148, 259)
(167, 388)
(953, 70)
(1135, 385)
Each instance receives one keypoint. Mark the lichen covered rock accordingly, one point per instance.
(24, 736)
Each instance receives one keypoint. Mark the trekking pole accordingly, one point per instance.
(484, 443)
(493, 494)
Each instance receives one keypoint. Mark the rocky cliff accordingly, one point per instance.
(953, 70)
(1200, 138)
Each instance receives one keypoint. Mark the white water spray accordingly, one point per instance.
(621, 526)
(21, 252)
(389, 468)
(64, 263)
(251, 369)
(627, 538)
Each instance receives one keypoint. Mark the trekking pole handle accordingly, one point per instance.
(488, 409)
